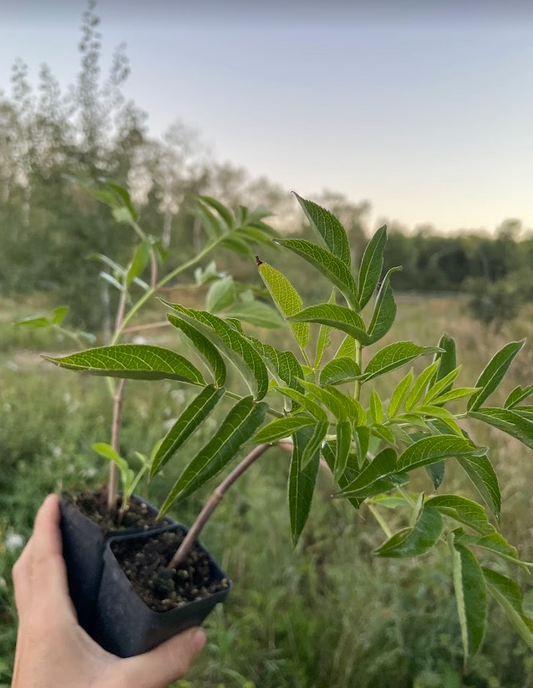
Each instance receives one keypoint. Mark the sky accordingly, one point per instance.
(423, 108)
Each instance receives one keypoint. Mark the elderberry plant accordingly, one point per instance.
(331, 409)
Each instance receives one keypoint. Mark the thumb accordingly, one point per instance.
(166, 663)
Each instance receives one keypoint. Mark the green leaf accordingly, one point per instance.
(447, 358)
(232, 344)
(420, 385)
(34, 322)
(507, 593)
(414, 541)
(283, 364)
(371, 265)
(304, 401)
(206, 350)
(286, 298)
(399, 394)
(443, 385)
(59, 314)
(235, 430)
(328, 228)
(436, 472)
(346, 349)
(124, 197)
(281, 428)
(463, 510)
(107, 451)
(507, 421)
(384, 310)
(494, 543)
(323, 340)
(480, 471)
(395, 356)
(337, 317)
(384, 433)
(376, 408)
(221, 295)
(494, 372)
(220, 208)
(517, 395)
(470, 596)
(381, 466)
(339, 370)
(351, 406)
(435, 448)
(301, 483)
(333, 402)
(315, 443)
(131, 361)
(454, 395)
(188, 422)
(337, 272)
(141, 257)
(257, 313)
(343, 446)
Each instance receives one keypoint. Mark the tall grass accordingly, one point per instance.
(327, 615)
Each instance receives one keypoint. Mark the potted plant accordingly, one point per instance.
(326, 408)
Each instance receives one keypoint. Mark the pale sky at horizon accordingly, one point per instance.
(427, 112)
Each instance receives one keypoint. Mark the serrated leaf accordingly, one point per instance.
(419, 388)
(331, 401)
(442, 414)
(443, 385)
(131, 361)
(221, 209)
(447, 357)
(232, 344)
(346, 348)
(257, 313)
(384, 310)
(371, 265)
(323, 339)
(480, 471)
(319, 432)
(507, 593)
(286, 298)
(351, 406)
(301, 483)
(494, 372)
(414, 541)
(329, 452)
(339, 370)
(188, 422)
(221, 295)
(507, 421)
(517, 395)
(281, 428)
(235, 430)
(328, 228)
(381, 466)
(205, 349)
(343, 447)
(283, 364)
(454, 395)
(494, 543)
(463, 510)
(304, 401)
(329, 265)
(400, 393)
(337, 317)
(384, 433)
(376, 408)
(394, 356)
(435, 448)
(470, 596)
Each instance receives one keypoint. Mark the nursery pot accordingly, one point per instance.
(125, 625)
(83, 549)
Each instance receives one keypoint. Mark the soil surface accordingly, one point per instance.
(162, 589)
(137, 515)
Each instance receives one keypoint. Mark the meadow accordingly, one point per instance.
(327, 615)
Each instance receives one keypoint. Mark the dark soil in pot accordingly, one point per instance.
(163, 589)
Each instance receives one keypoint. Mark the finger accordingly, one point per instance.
(49, 574)
(166, 663)
(21, 575)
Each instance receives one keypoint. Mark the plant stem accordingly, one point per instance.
(147, 326)
(212, 504)
(118, 402)
(379, 518)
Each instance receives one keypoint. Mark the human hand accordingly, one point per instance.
(53, 651)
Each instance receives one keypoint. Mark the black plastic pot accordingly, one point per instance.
(83, 550)
(125, 626)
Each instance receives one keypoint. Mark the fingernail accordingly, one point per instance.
(198, 640)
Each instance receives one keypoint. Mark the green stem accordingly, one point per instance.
(379, 518)
(153, 290)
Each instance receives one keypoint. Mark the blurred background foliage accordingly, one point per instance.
(328, 615)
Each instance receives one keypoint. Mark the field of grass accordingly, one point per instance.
(328, 615)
